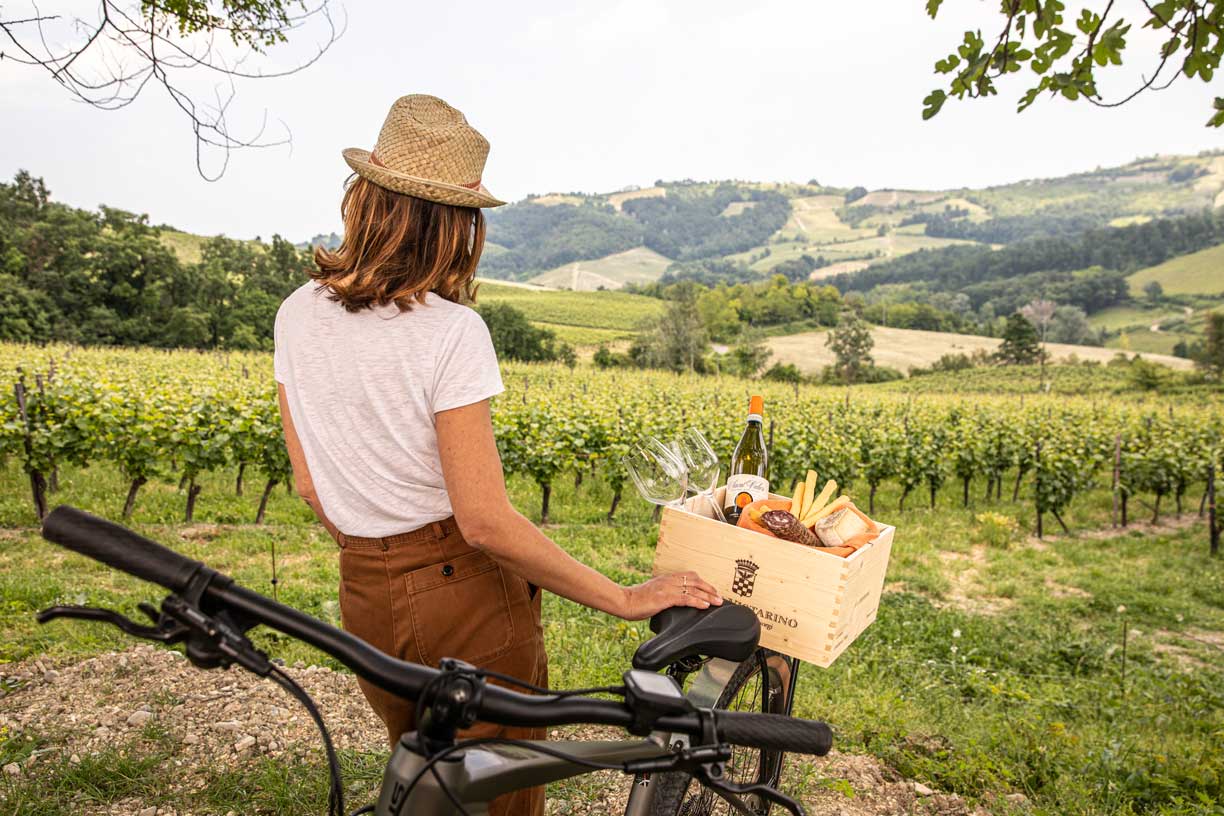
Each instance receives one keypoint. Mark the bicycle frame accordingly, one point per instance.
(478, 775)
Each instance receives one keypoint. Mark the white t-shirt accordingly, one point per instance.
(363, 388)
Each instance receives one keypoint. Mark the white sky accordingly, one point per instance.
(618, 92)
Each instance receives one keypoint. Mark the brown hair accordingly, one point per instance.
(397, 247)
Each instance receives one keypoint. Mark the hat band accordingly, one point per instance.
(475, 185)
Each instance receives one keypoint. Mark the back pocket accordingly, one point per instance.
(460, 608)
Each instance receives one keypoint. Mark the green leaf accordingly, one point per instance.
(932, 103)
(1217, 119)
(932, 7)
(946, 66)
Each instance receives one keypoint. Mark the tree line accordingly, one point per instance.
(690, 222)
(108, 278)
(1009, 276)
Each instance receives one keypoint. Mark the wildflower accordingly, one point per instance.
(955, 633)
(1121, 609)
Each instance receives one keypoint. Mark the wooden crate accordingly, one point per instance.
(811, 604)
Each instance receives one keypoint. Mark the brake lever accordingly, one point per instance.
(731, 791)
(165, 630)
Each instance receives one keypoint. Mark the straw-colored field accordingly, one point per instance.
(903, 349)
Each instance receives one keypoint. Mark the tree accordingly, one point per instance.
(1040, 313)
(1020, 342)
(676, 340)
(851, 342)
(514, 338)
(1211, 358)
(855, 194)
(1070, 325)
(109, 59)
(1067, 59)
(749, 355)
(1153, 290)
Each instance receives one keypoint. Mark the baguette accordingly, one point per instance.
(809, 489)
(832, 507)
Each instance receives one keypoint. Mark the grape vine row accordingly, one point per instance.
(175, 415)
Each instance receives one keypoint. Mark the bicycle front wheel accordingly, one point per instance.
(759, 684)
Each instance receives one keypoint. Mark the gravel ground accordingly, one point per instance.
(207, 719)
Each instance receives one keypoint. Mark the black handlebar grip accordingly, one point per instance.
(774, 732)
(119, 547)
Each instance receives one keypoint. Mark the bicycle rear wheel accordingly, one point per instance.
(759, 684)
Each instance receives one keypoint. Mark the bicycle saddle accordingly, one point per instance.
(728, 631)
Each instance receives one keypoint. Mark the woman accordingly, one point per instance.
(385, 379)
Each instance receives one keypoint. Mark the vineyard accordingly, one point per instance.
(1083, 674)
(177, 415)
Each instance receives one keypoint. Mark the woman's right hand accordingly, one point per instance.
(665, 591)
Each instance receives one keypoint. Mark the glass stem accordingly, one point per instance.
(718, 511)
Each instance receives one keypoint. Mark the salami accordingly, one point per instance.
(785, 526)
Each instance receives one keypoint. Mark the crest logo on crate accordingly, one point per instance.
(745, 578)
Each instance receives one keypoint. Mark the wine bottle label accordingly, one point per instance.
(745, 488)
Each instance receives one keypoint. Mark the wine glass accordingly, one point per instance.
(658, 472)
(702, 464)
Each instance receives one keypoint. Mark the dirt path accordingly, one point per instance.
(218, 718)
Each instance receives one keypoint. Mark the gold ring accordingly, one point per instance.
(684, 581)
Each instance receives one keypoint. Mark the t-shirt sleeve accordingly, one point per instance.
(467, 369)
(280, 366)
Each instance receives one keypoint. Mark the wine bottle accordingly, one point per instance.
(748, 478)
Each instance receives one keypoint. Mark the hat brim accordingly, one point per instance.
(428, 189)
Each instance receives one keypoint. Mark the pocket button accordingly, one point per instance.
(448, 570)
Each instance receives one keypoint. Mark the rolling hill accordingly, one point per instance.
(588, 241)
(1199, 273)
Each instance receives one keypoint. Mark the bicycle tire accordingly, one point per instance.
(676, 794)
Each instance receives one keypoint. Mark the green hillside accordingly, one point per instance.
(578, 318)
(1198, 273)
(186, 246)
(637, 265)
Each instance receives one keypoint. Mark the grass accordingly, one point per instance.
(185, 245)
(583, 337)
(1199, 272)
(991, 668)
(592, 310)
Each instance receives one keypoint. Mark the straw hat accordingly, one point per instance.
(427, 149)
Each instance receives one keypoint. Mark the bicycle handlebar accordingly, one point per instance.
(126, 550)
(118, 547)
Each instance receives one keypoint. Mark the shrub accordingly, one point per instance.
(784, 372)
(996, 529)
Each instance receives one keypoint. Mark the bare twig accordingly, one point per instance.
(132, 44)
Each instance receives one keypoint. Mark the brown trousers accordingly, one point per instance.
(425, 595)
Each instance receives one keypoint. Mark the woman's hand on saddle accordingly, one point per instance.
(666, 591)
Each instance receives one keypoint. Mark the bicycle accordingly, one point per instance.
(430, 771)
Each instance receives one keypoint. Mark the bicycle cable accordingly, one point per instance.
(431, 763)
(335, 794)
